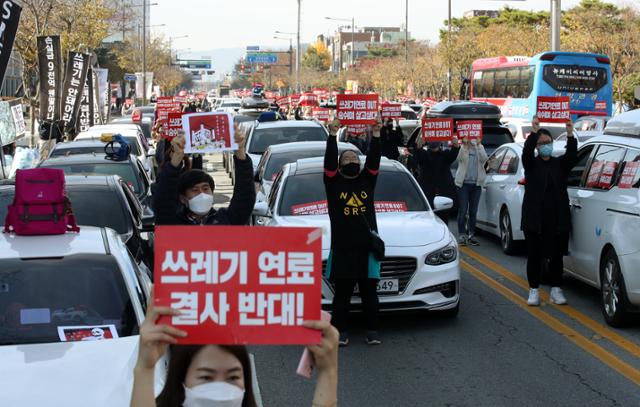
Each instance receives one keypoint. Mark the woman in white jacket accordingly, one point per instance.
(470, 178)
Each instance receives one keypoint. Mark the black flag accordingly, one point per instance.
(49, 63)
(75, 78)
(9, 18)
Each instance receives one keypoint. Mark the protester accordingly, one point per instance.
(546, 217)
(356, 140)
(435, 171)
(391, 139)
(215, 375)
(352, 214)
(470, 177)
(186, 197)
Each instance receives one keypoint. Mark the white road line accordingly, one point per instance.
(254, 381)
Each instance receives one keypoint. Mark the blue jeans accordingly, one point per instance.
(468, 199)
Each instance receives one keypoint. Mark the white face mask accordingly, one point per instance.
(201, 204)
(213, 394)
(473, 143)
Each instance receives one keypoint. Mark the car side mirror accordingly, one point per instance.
(261, 208)
(442, 203)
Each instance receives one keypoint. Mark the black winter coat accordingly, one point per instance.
(536, 173)
(169, 210)
(435, 172)
(391, 139)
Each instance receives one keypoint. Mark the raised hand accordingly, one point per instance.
(240, 139)
(177, 149)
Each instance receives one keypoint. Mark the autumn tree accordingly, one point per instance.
(317, 57)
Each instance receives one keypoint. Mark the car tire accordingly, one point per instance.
(451, 313)
(612, 291)
(506, 233)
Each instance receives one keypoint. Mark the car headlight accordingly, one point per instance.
(442, 256)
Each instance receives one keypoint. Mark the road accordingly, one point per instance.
(497, 352)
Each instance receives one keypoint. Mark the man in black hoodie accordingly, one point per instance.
(186, 197)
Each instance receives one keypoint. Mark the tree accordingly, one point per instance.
(317, 57)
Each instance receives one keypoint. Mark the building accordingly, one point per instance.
(344, 40)
(13, 76)
(482, 13)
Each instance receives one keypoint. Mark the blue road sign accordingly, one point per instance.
(130, 77)
(269, 59)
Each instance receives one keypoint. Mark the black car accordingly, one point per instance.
(105, 201)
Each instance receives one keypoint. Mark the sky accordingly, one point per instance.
(216, 24)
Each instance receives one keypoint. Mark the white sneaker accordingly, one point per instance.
(557, 297)
(534, 297)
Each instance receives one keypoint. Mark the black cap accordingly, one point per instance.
(194, 177)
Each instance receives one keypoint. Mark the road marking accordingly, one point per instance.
(254, 381)
(579, 317)
(571, 334)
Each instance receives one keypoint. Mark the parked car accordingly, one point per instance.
(146, 123)
(57, 290)
(587, 127)
(229, 105)
(520, 129)
(421, 268)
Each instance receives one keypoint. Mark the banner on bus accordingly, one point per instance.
(235, 285)
(471, 129)
(437, 130)
(391, 111)
(552, 109)
(208, 133)
(357, 108)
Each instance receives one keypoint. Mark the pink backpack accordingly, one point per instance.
(40, 205)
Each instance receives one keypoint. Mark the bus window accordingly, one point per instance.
(499, 86)
(513, 82)
(477, 83)
(487, 84)
(526, 81)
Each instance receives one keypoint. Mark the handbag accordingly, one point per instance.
(376, 244)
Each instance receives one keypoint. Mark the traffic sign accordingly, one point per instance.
(130, 77)
(269, 59)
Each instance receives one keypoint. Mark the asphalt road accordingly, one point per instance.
(497, 352)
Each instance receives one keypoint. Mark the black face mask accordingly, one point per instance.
(350, 170)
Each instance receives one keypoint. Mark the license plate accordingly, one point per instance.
(388, 285)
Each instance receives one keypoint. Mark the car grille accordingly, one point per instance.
(401, 268)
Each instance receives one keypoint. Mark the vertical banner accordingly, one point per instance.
(104, 92)
(139, 83)
(240, 285)
(18, 117)
(49, 65)
(97, 113)
(74, 79)
(84, 118)
(9, 19)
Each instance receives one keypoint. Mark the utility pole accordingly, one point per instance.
(406, 32)
(298, 51)
(144, 52)
(556, 11)
(449, 55)
(353, 27)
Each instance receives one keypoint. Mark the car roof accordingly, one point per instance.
(305, 145)
(79, 159)
(287, 124)
(316, 165)
(79, 144)
(93, 133)
(627, 141)
(102, 127)
(90, 240)
(625, 124)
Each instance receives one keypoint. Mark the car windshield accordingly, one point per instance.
(91, 207)
(261, 139)
(276, 161)
(70, 149)
(42, 300)
(123, 169)
(231, 104)
(409, 115)
(395, 192)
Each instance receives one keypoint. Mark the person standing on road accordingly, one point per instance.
(186, 197)
(546, 216)
(435, 171)
(350, 194)
(470, 177)
(391, 139)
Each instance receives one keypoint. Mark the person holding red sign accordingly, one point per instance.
(350, 193)
(215, 375)
(186, 197)
(470, 178)
(546, 216)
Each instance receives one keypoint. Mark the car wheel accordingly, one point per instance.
(612, 290)
(506, 232)
(451, 313)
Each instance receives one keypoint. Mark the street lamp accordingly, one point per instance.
(352, 20)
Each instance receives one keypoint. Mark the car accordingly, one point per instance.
(604, 197)
(408, 112)
(229, 105)
(132, 134)
(421, 269)
(245, 124)
(105, 201)
(263, 135)
(587, 127)
(131, 171)
(146, 123)
(520, 129)
(55, 288)
(278, 155)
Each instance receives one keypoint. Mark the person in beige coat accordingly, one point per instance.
(469, 180)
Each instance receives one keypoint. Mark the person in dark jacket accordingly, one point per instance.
(435, 171)
(391, 139)
(546, 217)
(186, 197)
(350, 193)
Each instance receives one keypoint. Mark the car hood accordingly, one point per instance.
(96, 373)
(397, 229)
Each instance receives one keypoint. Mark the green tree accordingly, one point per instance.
(317, 57)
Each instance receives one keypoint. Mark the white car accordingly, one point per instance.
(265, 134)
(70, 310)
(421, 269)
(229, 105)
(520, 128)
(604, 196)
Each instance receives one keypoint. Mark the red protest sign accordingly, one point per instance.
(606, 178)
(294, 100)
(629, 175)
(357, 129)
(308, 99)
(437, 130)
(174, 124)
(594, 174)
(469, 128)
(234, 285)
(357, 109)
(321, 113)
(164, 103)
(208, 132)
(311, 208)
(551, 109)
(391, 111)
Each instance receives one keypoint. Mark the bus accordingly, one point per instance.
(514, 83)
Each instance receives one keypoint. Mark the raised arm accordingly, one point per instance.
(571, 155)
(244, 192)
(166, 193)
(528, 151)
(331, 152)
(372, 165)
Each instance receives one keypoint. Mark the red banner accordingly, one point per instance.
(391, 111)
(308, 99)
(208, 132)
(606, 178)
(437, 130)
(628, 177)
(551, 109)
(321, 113)
(174, 124)
(240, 285)
(357, 129)
(294, 100)
(469, 128)
(357, 109)
(322, 208)
(594, 174)
(601, 105)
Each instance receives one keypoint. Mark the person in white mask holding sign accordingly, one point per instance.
(216, 375)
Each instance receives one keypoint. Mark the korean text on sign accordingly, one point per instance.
(357, 109)
(391, 111)
(437, 130)
(553, 109)
(469, 128)
(174, 125)
(234, 285)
